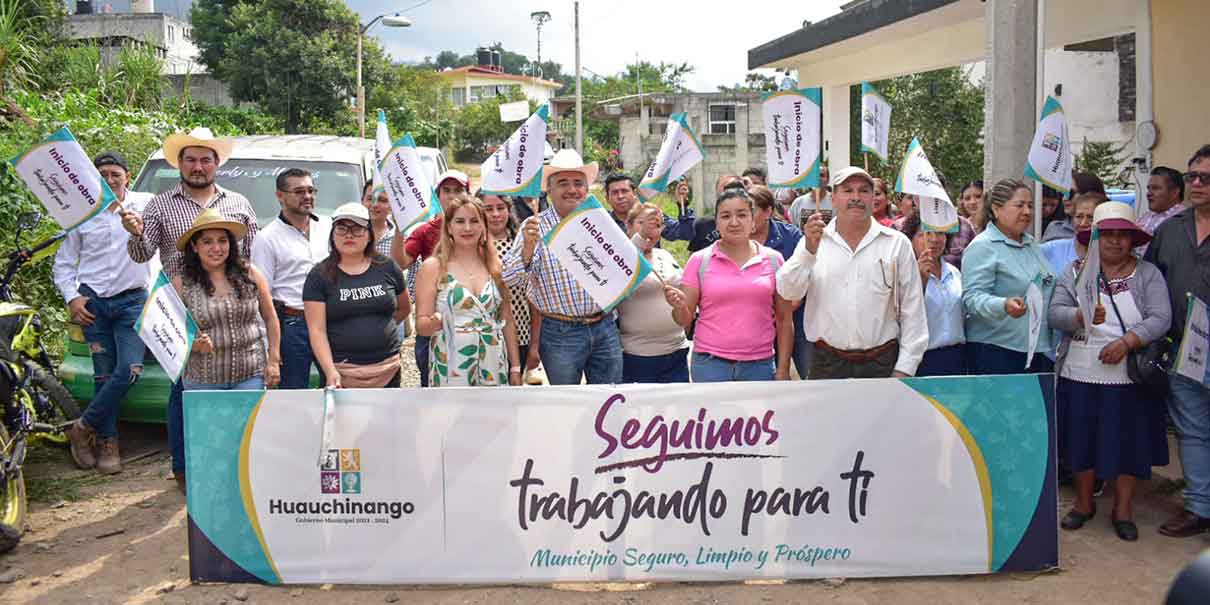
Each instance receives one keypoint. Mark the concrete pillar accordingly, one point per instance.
(703, 189)
(645, 122)
(836, 125)
(741, 134)
(1010, 107)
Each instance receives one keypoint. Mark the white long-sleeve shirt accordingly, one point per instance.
(285, 256)
(95, 254)
(860, 299)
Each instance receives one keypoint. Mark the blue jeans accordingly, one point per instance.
(256, 383)
(117, 355)
(708, 368)
(1190, 408)
(571, 351)
(673, 367)
(422, 358)
(296, 356)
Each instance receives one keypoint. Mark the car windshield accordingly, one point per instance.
(338, 183)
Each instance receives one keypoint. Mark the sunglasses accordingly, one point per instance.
(1192, 177)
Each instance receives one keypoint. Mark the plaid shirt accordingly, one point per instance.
(170, 214)
(552, 288)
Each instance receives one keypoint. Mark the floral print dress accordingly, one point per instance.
(469, 350)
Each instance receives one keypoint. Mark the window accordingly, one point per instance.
(458, 96)
(722, 119)
(171, 33)
(482, 93)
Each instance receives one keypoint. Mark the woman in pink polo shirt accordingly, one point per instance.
(732, 285)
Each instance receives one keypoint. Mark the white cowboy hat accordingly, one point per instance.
(198, 137)
(567, 160)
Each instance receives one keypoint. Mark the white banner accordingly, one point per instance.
(514, 112)
(382, 144)
(680, 482)
(792, 138)
(679, 152)
(916, 176)
(1035, 311)
(413, 200)
(1088, 288)
(1050, 158)
(516, 166)
(875, 122)
(599, 255)
(1195, 343)
(64, 179)
(167, 328)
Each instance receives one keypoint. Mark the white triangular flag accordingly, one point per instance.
(516, 166)
(875, 122)
(1050, 159)
(679, 152)
(916, 176)
(382, 144)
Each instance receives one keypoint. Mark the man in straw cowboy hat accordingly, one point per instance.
(577, 338)
(169, 215)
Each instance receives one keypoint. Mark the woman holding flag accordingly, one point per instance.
(1113, 430)
(224, 293)
(1002, 269)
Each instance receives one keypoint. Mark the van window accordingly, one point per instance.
(337, 183)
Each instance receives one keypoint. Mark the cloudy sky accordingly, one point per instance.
(611, 31)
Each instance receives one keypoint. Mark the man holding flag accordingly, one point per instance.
(862, 288)
(578, 339)
(105, 291)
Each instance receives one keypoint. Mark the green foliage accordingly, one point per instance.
(477, 127)
(415, 102)
(296, 59)
(941, 108)
(18, 47)
(753, 82)
(643, 75)
(1102, 159)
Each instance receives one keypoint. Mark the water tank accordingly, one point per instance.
(496, 61)
(142, 6)
(84, 7)
(483, 57)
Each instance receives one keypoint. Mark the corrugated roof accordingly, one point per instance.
(474, 70)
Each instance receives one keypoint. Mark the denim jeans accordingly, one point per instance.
(117, 355)
(708, 368)
(1190, 408)
(672, 367)
(296, 356)
(256, 383)
(571, 351)
(422, 358)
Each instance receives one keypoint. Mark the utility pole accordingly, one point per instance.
(539, 18)
(579, 92)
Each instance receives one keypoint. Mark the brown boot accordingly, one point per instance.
(82, 440)
(110, 461)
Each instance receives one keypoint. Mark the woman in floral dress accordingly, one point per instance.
(463, 304)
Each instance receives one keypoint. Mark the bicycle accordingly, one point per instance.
(35, 404)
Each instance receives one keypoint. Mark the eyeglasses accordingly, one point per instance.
(301, 191)
(1203, 177)
(349, 229)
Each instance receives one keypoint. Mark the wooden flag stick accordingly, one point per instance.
(866, 157)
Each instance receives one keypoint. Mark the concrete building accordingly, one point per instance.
(142, 27)
(729, 125)
(876, 39)
(474, 83)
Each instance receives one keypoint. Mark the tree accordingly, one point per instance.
(294, 58)
(753, 82)
(415, 101)
(943, 109)
(1102, 159)
(477, 127)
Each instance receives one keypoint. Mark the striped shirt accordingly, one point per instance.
(170, 214)
(552, 288)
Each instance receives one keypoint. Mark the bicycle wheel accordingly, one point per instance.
(12, 500)
(58, 407)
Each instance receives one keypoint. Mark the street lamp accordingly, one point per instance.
(395, 20)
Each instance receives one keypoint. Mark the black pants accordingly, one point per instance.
(826, 364)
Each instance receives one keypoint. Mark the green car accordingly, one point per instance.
(339, 166)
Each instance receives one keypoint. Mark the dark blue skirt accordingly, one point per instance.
(944, 361)
(991, 359)
(1113, 429)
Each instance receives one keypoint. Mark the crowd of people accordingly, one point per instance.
(839, 282)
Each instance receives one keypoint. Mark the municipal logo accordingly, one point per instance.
(340, 472)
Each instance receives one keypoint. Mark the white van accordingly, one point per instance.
(338, 165)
